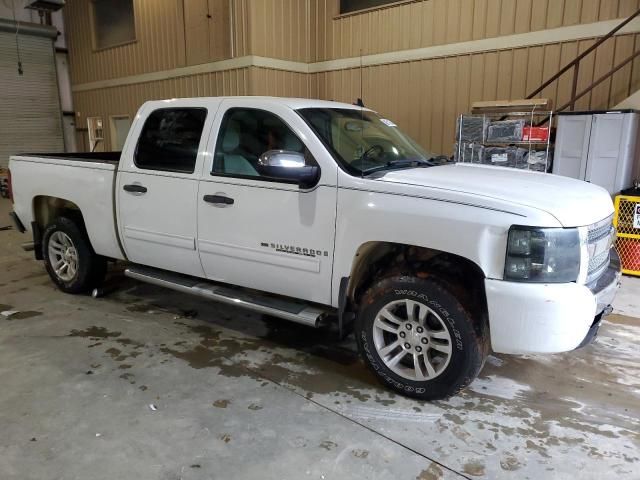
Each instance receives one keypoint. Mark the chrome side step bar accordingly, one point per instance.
(288, 309)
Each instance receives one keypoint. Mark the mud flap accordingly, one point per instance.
(37, 241)
(345, 318)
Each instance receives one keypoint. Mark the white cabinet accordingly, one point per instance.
(600, 148)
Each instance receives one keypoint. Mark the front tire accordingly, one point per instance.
(419, 339)
(69, 258)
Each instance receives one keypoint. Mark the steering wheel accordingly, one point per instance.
(372, 152)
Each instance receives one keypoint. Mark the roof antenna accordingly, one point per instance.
(359, 101)
(360, 104)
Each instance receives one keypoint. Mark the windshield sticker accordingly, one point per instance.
(388, 123)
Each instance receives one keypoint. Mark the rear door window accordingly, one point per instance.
(170, 140)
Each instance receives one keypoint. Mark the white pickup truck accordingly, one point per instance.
(310, 211)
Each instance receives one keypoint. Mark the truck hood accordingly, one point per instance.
(572, 202)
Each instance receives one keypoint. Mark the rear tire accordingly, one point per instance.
(69, 258)
(419, 339)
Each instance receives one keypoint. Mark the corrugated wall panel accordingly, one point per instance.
(437, 22)
(305, 30)
(240, 28)
(279, 28)
(621, 80)
(312, 30)
(265, 81)
(127, 99)
(159, 42)
(428, 114)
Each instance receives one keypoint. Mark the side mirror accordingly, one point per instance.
(288, 166)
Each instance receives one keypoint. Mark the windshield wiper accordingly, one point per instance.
(414, 163)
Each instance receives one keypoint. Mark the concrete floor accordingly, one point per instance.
(150, 384)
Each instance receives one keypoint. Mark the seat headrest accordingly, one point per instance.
(231, 140)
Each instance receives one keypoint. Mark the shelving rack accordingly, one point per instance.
(474, 145)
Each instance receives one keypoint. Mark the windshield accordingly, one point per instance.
(363, 142)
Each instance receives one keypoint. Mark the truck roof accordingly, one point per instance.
(294, 103)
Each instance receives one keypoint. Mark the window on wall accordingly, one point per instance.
(113, 22)
(347, 6)
(170, 139)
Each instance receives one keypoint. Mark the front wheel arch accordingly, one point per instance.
(377, 260)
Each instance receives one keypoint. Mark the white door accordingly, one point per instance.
(120, 125)
(261, 232)
(157, 190)
(572, 146)
(605, 149)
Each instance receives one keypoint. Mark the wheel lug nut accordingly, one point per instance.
(418, 349)
(424, 341)
(419, 330)
(407, 345)
(402, 334)
(408, 326)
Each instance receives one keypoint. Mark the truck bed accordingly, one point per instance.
(86, 180)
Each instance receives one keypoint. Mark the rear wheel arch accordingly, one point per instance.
(69, 257)
(46, 209)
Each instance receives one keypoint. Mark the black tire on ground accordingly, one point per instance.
(91, 268)
(468, 340)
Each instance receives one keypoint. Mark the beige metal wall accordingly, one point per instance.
(313, 30)
(159, 44)
(279, 83)
(207, 33)
(436, 22)
(280, 28)
(127, 99)
(310, 30)
(425, 97)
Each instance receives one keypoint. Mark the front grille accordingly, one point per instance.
(599, 230)
(599, 262)
(599, 241)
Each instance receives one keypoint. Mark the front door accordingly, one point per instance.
(157, 190)
(259, 232)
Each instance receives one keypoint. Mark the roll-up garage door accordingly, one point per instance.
(30, 117)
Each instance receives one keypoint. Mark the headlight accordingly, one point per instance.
(542, 255)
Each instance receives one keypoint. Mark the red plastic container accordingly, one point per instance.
(535, 134)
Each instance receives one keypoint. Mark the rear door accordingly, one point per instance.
(260, 232)
(157, 188)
